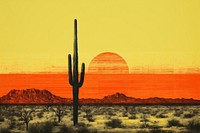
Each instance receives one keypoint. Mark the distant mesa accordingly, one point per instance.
(116, 97)
(108, 63)
(36, 96)
(31, 96)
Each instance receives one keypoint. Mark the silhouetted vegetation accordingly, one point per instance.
(83, 130)
(105, 118)
(188, 115)
(1, 118)
(45, 127)
(26, 116)
(73, 75)
(65, 129)
(161, 115)
(144, 119)
(4, 130)
(154, 130)
(194, 126)
(174, 122)
(60, 112)
(132, 117)
(114, 123)
(40, 115)
(178, 113)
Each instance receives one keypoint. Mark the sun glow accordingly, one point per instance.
(108, 63)
(37, 35)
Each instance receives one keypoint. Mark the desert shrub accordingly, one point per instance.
(174, 122)
(114, 123)
(12, 124)
(157, 129)
(142, 131)
(194, 126)
(83, 130)
(19, 123)
(178, 113)
(34, 128)
(98, 112)
(79, 112)
(88, 115)
(90, 119)
(11, 118)
(15, 113)
(196, 111)
(144, 125)
(1, 118)
(145, 120)
(40, 115)
(154, 112)
(124, 114)
(65, 129)
(188, 115)
(26, 115)
(145, 110)
(81, 124)
(4, 130)
(132, 112)
(161, 115)
(59, 112)
(55, 123)
(132, 117)
(108, 117)
(126, 108)
(45, 127)
(111, 113)
(20, 119)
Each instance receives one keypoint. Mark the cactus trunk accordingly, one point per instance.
(73, 76)
(75, 105)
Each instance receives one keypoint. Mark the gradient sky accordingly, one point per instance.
(152, 36)
(37, 35)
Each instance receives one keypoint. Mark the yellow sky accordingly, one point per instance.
(37, 35)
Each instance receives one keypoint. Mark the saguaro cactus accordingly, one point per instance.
(73, 76)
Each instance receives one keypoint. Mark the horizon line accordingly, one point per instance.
(133, 70)
(103, 96)
(198, 72)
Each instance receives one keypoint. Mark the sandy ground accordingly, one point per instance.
(132, 118)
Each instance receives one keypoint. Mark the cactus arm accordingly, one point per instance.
(82, 75)
(70, 70)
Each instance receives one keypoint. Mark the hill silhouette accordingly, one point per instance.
(31, 96)
(36, 96)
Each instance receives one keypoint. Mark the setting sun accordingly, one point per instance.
(108, 63)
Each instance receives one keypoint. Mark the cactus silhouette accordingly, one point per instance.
(73, 76)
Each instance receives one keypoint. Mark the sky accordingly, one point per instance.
(151, 36)
(37, 36)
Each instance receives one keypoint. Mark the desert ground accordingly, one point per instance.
(115, 118)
